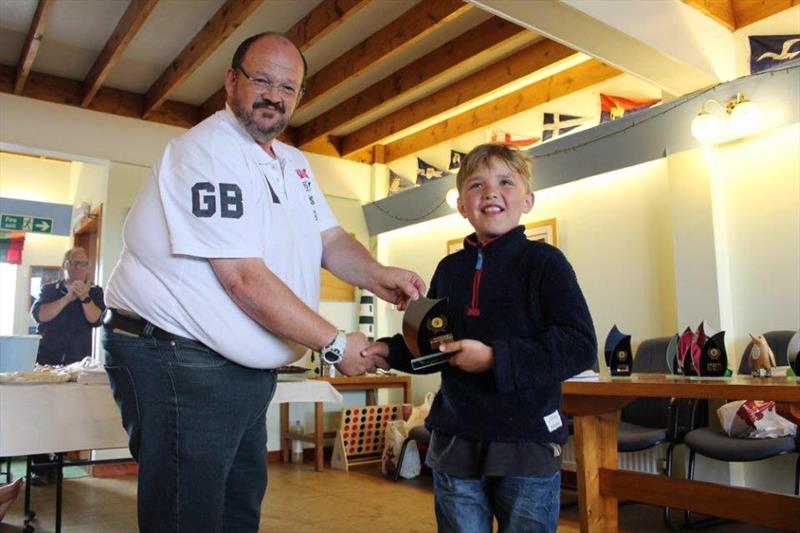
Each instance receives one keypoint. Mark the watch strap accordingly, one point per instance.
(334, 351)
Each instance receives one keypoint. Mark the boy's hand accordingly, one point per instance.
(376, 349)
(472, 356)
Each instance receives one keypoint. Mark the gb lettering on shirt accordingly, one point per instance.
(305, 179)
(209, 199)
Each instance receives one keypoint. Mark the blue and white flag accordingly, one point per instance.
(427, 172)
(455, 159)
(773, 51)
(398, 182)
(555, 124)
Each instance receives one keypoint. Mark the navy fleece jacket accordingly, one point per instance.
(521, 298)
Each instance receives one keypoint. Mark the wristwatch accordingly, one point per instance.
(86, 300)
(334, 352)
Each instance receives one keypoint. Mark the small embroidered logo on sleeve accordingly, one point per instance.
(553, 421)
(306, 181)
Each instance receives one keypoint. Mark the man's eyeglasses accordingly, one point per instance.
(286, 89)
(73, 263)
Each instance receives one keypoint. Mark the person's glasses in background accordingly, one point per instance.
(73, 263)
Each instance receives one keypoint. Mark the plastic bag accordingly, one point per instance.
(420, 412)
(754, 419)
(396, 433)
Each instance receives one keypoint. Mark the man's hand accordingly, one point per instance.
(80, 290)
(472, 356)
(398, 286)
(356, 364)
(348, 260)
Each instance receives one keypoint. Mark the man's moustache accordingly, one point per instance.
(277, 106)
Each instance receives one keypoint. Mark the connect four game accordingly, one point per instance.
(360, 438)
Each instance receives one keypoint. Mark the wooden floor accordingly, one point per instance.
(298, 500)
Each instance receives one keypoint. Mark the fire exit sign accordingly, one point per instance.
(30, 224)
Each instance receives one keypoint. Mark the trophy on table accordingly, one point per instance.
(426, 325)
(713, 356)
(619, 356)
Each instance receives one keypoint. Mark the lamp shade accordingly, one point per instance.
(705, 127)
(452, 198)
(745, 118)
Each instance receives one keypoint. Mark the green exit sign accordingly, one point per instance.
(26, 223)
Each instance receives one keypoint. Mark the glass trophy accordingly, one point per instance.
(713, 356)
(619, 357)
(427, 324)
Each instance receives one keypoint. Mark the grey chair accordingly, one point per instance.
(718, 445)
(648, 422)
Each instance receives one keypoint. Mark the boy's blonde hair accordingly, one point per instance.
(516, 159)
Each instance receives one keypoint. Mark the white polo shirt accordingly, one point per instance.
(216, 194)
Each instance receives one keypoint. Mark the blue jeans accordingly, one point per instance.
(523, 504)
(196, 424)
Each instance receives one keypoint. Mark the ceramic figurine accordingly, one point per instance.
(762, 360)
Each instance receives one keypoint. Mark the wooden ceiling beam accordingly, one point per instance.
(320, 21)
(719, 10)
(746, 12)
(543, 91)
(524, 62)
(216, 30)
(107, 100)
(32, 42)
(479, 41)
(127, 27)
(405, 30)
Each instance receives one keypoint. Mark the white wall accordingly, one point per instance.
(88, 183)
(81, 132)
(40, 180)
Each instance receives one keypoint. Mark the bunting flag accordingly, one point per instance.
(513, 139)
(427, 172)
(773, 51)
(455, 159)
(398, 182)
(614, 107)
(555, 124)
(11, 247)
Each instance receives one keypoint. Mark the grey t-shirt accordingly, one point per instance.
(462, 458)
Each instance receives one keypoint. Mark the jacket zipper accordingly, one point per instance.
(474, 309)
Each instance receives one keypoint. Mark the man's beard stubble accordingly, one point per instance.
(259, 134)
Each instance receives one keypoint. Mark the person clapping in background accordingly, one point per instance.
(66, 311)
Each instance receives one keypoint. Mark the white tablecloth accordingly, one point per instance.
(71, 416)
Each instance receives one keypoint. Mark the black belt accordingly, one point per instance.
(132, 325)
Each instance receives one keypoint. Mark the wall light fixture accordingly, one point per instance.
(741, 117)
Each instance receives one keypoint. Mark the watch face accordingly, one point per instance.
(332, 356)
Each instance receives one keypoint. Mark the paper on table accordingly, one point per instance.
(586, 374)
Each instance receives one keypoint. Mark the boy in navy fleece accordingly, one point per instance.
(523, 327)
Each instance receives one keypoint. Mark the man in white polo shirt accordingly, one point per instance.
(217, 285)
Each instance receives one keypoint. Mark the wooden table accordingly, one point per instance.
(370, 384)
(595, 405)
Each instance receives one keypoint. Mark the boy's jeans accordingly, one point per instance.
(197, 427)
(520, 503)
